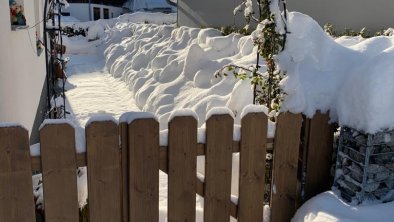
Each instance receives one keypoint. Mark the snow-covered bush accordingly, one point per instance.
(270, 38)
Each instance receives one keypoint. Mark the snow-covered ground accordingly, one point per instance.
(161, 68)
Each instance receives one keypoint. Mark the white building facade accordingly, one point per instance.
(22, 70)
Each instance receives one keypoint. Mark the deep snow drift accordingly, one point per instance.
(171, 68)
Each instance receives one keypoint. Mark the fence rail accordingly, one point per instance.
(124, 160)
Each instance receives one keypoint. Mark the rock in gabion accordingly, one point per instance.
(365, 166)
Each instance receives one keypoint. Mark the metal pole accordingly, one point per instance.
(46, 56)
(90, 11)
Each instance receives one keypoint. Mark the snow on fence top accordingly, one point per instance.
(129, 117)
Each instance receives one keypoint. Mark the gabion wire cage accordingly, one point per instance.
(365, 166)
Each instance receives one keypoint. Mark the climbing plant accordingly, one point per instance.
(270, 38)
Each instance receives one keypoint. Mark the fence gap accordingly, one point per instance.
(59, 173)
(218, 162)
(182, 147)
(16, 193)
(104, 171)
(252, 167)
(319, 155)
(144, 170)
(284, 175)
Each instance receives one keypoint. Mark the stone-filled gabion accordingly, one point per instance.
(365, 166)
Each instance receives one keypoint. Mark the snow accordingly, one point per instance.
(328, 207)
(251, 108)
(35, 150)
(354, 80)
(56, 122)
(11, 124)
(101, 118)
(129, 117)
(182, 112)
(219, 111)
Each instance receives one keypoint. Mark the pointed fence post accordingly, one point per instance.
(59, 173)
(143, 142)
(104, 171)
(182, 151)
(319, 155)
(284, 175)
(252, 167)
(16, 193)
(218, 162)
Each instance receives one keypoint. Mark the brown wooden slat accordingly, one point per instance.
(144, 170)
(320, 148)
(218, 162)
(104, 171)
(182, 141)
(16, 194)
(287, 142)
(59, 173)
(124, 144)
(252, 167)
(81, 157)
(36, 161)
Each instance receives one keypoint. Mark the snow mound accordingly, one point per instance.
(354, 80)
(169, 68)
(328, 207)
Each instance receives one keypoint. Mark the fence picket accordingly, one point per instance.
(59, 173)
(182, 147)
(252, 167)
(218, 164)
(144, 170)
(284, 176)
(320, 145)
(16, 194)
(104, 171)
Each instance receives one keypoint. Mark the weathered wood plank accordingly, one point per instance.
(287, 142)
(81, 157)
(218, 162)
(252, 167)
(144, 170)
(182, 147)
(16, 194)
(319, 154)
(104, 171)
(36, 161)
(59, 173)
(124, 144)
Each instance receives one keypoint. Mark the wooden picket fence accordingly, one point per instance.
(123, 164)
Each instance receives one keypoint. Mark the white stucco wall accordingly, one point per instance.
(81, 11)
(22, 72)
